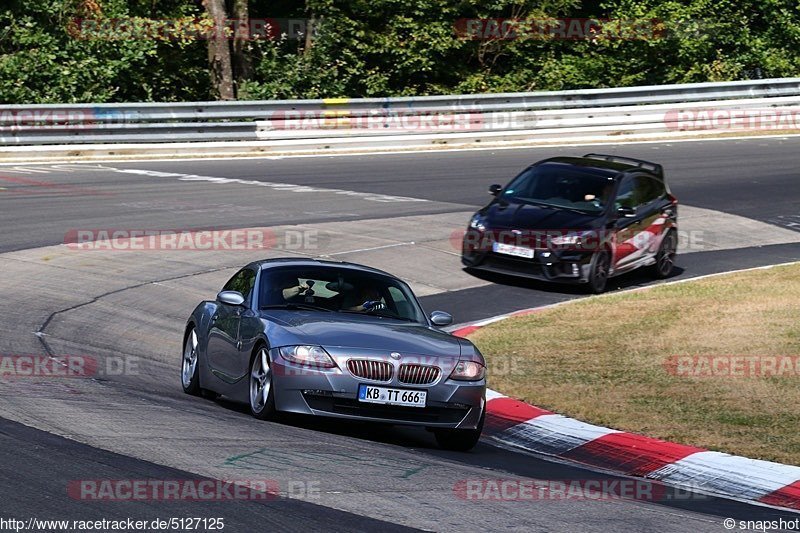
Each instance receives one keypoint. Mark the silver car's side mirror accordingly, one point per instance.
(440, 318)
(230, 298)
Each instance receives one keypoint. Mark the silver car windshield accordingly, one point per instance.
(339, 290)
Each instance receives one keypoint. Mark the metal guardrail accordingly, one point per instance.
(649, 108)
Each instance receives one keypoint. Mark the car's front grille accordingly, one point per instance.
(525, 267)
(372, 370)
(412, 374)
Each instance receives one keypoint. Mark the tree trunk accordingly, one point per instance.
(242, 68)
(219, 53)
(310, 24)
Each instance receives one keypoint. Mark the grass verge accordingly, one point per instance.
(612, 361)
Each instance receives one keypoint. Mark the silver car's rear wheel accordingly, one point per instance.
(262, 399)
(189, 378)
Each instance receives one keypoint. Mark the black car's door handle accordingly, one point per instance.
(214, 318)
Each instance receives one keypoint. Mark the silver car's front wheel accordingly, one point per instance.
(189, 379)
(262, 399)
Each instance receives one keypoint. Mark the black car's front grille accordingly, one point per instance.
(343, 406)
(412, 374)
(525, 267)
(369, 369)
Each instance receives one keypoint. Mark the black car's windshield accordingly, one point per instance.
(344, 290)
(561, 185)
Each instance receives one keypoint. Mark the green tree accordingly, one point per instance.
(50, 51)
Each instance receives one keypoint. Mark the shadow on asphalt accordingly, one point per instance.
(635, 278)
(509, 464)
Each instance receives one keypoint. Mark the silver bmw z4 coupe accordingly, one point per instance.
(338, 340)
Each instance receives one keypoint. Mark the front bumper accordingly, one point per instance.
(334, 393)
(546, 265)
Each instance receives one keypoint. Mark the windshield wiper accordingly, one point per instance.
(556, 206)
(580, 211)
(308, 307)
(382, 315)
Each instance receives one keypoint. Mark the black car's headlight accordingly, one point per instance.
(582, 240)
(468, 371)
(478, 222)
(307, 355)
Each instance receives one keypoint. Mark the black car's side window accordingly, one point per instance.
(638, 191)
(651, 189)
(242, 282)
(625, 194)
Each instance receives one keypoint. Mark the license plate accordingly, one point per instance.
(388, 396)
(508, 249)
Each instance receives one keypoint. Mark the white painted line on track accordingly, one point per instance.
(285, 187)
(371, 249)
(26, 170)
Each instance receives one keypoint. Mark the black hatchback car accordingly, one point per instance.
(577, 220)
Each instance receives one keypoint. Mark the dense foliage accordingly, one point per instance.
(386, 48)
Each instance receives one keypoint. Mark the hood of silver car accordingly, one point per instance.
(368, 332)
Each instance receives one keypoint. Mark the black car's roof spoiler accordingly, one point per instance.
(655, 168)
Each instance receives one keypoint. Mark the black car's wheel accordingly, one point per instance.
(459, 440)
(190, 378)
(262, 395)
(665, 257)
(598, 272)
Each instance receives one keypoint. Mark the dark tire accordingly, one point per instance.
(665, 257)
(598, 272)
(459, 440)
(190, 371)
(262, 393)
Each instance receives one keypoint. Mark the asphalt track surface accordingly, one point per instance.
(412, 482)
(44, 464)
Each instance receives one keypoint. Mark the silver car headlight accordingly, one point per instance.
(307, 355)
(468, 371)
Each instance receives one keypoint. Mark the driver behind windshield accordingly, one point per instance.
(296, 290)
(364, 298)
